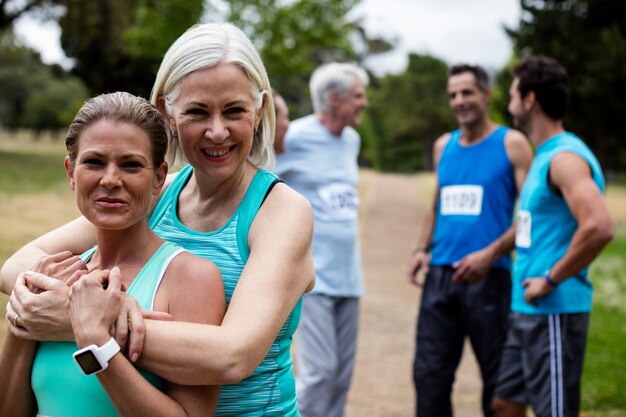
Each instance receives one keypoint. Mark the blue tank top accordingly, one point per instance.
(61, 389)
(270, 390)
(477, 195)
(545, 227)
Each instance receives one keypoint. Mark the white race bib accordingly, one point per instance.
(340, 201)
(524, 226)
(462, 200)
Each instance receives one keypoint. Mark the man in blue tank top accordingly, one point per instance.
(563, 224)
(320, 162)
(464, 245)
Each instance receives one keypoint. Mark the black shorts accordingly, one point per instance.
(542, 362)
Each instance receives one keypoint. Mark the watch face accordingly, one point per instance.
(88, 362)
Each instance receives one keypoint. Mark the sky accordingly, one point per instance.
(454, 30)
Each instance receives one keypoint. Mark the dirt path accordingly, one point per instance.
(392, 210)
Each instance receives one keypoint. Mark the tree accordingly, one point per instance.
(54, 106)
(118, 44)
(296, 37)
(11, 10)
(407, 113)
(33, 94)
(589, 38)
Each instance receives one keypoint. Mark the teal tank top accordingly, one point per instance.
(61, 389)
(545, 227)
(270, 390)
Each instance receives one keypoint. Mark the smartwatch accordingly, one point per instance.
(93, 359)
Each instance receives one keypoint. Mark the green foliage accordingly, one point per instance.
(55, 106)
(20, 74)
(407, 113)
(33, 94)
(498, 106)
(157, 24)
(118, 44)
(589, 38)
(294, 38)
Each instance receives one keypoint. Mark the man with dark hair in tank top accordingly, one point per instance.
(563, 224)
(464, 246)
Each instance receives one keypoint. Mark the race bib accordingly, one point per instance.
(462, 200)
(524, 226)
(340, 201)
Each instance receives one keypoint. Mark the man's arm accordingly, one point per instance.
(475, 265)
(571, 175)
(420, 256)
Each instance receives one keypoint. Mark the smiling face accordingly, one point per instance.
(468, 102)
(113, 175)
(348, 110)
(215, 114)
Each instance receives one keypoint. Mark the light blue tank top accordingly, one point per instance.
(544, 232)
(61, 389)
(477, 195)
(270, 390)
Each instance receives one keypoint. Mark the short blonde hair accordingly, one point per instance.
(206, 46)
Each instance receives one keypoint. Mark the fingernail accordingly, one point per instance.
(134, 357)
(29, 273)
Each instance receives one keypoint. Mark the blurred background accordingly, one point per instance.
(55, 53)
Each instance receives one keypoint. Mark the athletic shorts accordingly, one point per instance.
(542, 362)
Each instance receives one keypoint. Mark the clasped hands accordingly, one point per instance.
(60, 300)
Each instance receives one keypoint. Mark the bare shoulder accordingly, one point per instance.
(284, 201)
(438, 146)
(518, 147)
(285, 216)
(192, 290)
(441, 142)
(195, 269)
(568, 167)
(515, 137)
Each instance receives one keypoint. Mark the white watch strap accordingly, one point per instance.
(108, 350)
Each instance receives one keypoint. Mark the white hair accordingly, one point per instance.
(334, 76)
(206, 46)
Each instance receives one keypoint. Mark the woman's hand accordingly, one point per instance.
(94, 304)
(43, 316)
(130, 327)
(63, 266)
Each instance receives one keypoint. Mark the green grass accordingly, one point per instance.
(24, 173)
(604, 376)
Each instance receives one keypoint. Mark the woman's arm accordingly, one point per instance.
(76, 237)
(16, 360)
(278, 272)
(93, 309)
